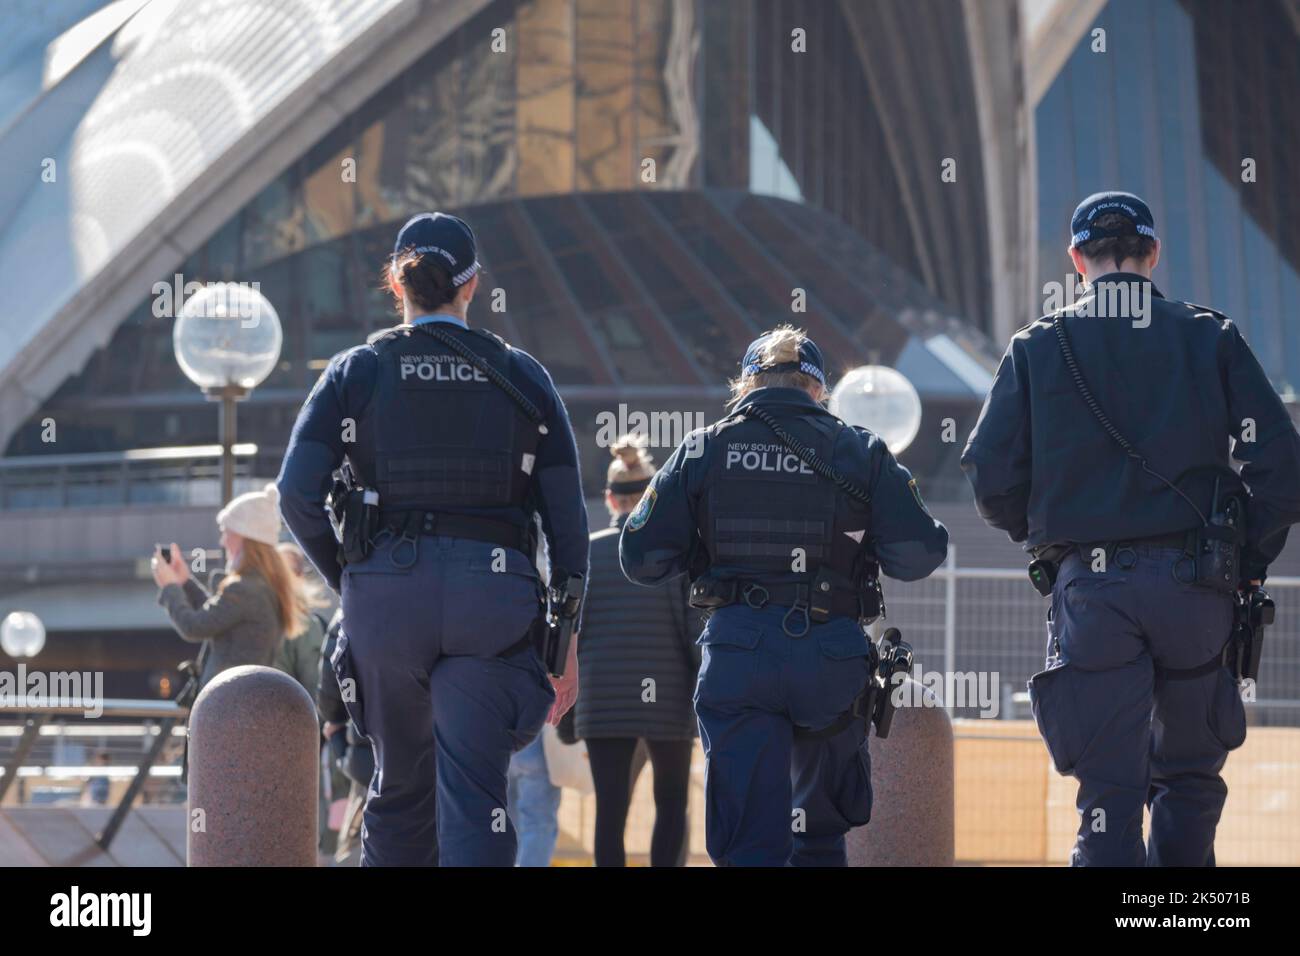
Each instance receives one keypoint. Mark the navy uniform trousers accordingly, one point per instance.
(442, 709)
(1130, 734)
(773, 798)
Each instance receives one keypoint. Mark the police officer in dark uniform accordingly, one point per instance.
(1104, 446)
(455, 442)
(788, 561)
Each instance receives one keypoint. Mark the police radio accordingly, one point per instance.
(1218, 545)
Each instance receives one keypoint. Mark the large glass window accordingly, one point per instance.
(274, 222)
(329, 194)
(328, 305)
(1164, 128)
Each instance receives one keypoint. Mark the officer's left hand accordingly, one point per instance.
(566, 687)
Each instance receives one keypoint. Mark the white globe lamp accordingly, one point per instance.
(882, 400)
(22, 635)
(227, 340)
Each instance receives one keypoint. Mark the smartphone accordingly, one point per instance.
(166, 552)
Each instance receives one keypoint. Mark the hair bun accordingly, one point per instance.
(426, 272)
(783, 345)
(630, 449)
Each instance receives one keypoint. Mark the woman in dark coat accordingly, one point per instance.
(638, 662)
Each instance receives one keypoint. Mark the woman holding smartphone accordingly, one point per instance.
(258, 603)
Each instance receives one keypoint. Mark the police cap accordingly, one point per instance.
(1139, 221)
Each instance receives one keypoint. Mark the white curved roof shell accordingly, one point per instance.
(130, 130)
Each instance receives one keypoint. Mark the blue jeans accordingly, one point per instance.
(533, 804)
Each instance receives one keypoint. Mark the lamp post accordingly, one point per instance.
(227, 340)
(22, 636)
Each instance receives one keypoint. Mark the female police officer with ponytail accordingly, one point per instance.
(455, 441)
(787, 558)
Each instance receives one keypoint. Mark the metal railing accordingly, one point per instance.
(181, 475)
(167, 714)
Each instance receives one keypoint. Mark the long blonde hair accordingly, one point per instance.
(313, 588)
(631, 463)
(782, 346)
(291, 598)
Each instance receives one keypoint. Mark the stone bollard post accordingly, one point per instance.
(912, 780)
(254, 768)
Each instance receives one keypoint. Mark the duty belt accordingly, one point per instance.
(1184, 541)
(714, 593)
(409, 523)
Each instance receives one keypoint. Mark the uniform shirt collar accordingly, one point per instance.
(1128, 277)
(778, 396)
(438, 317)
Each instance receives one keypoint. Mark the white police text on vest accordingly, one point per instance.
(439, 368)
(773, 458)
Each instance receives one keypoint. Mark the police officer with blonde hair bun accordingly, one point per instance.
(782, 515)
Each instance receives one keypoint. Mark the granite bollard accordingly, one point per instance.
(912, 780)
(253, 771)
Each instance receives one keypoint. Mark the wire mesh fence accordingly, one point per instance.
(988, 627)
(990, 621)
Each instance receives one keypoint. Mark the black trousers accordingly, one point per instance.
(611, 771)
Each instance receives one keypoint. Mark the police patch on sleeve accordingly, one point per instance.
(916, 495)
(641, 513)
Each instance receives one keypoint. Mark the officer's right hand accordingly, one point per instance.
(566, 687)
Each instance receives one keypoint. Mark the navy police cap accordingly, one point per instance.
(448, 239)
(810, 360)
(1139, 221)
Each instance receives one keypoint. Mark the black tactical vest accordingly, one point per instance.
(768, 517)
(444, 436)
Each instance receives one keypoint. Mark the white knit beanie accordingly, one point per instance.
(255, 515)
